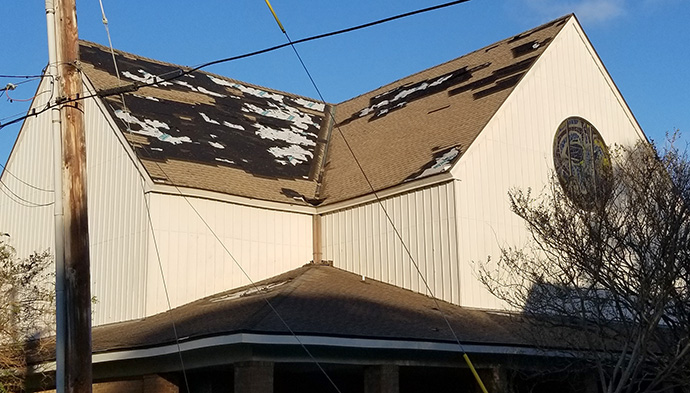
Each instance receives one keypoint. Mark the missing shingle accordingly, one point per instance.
(500, 85)
(495, 76)
(520, 36)
(253, 290)
(442, 160)
(528, 47)
(397, 98)
(491, 47)
(438, 109)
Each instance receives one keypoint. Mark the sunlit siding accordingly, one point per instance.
(118, 226)
(363, 240)
(515, 150)
(254, 244)
(26, 210)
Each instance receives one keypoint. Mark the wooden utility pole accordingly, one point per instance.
(77, 280)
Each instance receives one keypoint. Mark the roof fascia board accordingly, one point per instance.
(337, 342)
(148, 182)
(164, 189)
(605, 73)
(403, 188)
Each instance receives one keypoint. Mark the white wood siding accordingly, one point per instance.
(26, 213)
(515, 149)
(118, 225)
(363, 241)
(195, 264)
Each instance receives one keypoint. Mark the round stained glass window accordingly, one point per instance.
(582, 162)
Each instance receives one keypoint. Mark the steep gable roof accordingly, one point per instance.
(209, 132)
(419, 125)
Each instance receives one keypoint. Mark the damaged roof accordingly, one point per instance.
(420, 125)
(210, 132)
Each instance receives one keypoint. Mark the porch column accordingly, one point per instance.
(254, 377)
(383, 378)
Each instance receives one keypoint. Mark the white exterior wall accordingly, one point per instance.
(262, 242)
(515, 149)
(362, 240)
(118, 226)
(26, 213)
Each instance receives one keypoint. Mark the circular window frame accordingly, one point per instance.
(582, 162)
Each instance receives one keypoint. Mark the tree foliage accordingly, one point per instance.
(27, 298)
(610, 282)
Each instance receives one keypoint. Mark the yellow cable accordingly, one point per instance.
(464, 355)
(474, 372)
(275, 16)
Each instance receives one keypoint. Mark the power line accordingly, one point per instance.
(148, 215)
(20, 200)
(180, 72)
(244, 272)
(4, 169)
(21, 76)
(376, 196)
(12, 86)
(7, 93)
(165, 288)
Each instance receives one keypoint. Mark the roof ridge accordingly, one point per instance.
(187, 68)
(495, 43)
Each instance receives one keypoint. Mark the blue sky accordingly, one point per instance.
(643, 43)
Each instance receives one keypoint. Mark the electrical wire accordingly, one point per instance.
(11, 86)
(165, 288)
(380, 203)
(112, 53)
(244, 272)
(21, 76)
(5, 170)
(175, 74)
(7, 93)
(148, 214)
(19, 200)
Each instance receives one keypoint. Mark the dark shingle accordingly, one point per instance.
(209, 132)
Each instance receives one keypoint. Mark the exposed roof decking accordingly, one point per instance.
(208, 132)
(212, 133)
(418, 126)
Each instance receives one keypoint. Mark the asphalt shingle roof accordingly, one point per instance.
(419, 125)
(210, 132)
(313, 300)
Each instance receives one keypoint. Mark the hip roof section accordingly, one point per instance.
(313, 300)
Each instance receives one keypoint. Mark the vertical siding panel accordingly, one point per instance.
(423, 219)
(264, 243)
(30, 225)
(515, 150)
(117, 219)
